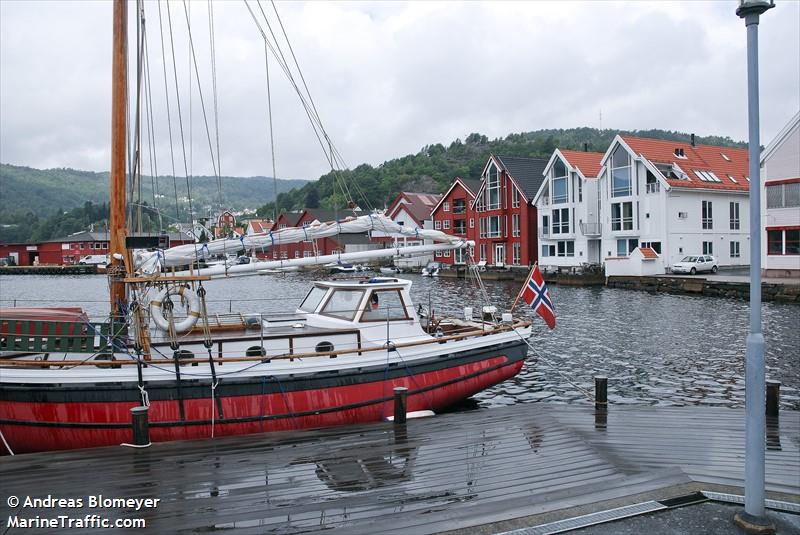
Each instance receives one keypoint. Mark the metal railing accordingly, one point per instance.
(591, 229)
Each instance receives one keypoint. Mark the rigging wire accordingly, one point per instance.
(169, 118)
(271, 137)
(216, 107)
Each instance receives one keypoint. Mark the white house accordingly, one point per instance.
(780, 203)
(676, 198)
(568, 209)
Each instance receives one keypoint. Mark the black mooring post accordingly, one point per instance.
(400, 393)
(140, 425)
(773, 398)
(600, 392)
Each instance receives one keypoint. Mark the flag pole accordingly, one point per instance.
(519, 294)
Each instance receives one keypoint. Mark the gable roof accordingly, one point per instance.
(588, 163)
(291, 218)
(260, 225)
(724, 162)
(528, 173)
(648, 253)
(778, 140)
(471, 186)
(418, 205)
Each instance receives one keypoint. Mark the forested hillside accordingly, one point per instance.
(433, 168)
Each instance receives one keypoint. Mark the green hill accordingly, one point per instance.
(433, 168)
(26, 191)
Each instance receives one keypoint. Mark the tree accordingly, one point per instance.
(312, 198)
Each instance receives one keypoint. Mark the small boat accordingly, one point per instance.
(431, 270)
(343, 267)
(390, 270)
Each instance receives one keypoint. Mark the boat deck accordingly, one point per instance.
(496, 468)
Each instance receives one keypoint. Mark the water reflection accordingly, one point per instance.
(656, 349)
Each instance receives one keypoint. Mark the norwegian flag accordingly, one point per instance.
(536, 295)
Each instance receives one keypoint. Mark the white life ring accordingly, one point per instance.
(157, 313)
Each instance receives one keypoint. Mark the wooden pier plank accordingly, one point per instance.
(451, 471)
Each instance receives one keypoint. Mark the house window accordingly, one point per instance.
(783, 242)
(516, 256)
(514, 198)
(708, 247)
(483, 252)
(708, 220)
(622, 216)
(735, 249)
(471, 222)
(620, 173)
(565, 248)
(734, 216)
(493, 188)
(545, 251)
(438, 254)
(515, 225)
(561, 221)
(580, 189)
(274, 255)
(545, 225)
(459, 206)
(445, 206)
(625, 247)
(493, 227)
(460, 226)
(559, 182)
(783, 195)
(447, 253)
(307, 254)
(437, 225)
(483, 227)
(297, 254)
(284, 255)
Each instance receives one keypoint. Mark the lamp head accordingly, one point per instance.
(753, 7)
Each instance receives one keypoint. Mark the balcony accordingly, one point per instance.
(652, 187)
(591, 229)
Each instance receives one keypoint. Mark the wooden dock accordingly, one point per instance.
(480, 471)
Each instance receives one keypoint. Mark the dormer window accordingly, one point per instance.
(559, 182)
(679, 153)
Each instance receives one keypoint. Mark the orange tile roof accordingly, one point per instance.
(648, 253)
(698, 158)
(587, 162)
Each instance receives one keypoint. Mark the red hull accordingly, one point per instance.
(41, 426)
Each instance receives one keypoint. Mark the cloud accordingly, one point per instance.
(388, 77)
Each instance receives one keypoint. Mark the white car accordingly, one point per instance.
(96, 259)
(695, 264)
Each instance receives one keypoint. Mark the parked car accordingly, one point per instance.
(96, 259)
(695, 264)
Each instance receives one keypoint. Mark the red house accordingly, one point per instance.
(455, 214)
(317, 247)
(503, 215)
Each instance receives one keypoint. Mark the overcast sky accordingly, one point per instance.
(389, 78)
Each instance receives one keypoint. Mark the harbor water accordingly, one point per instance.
(656, 349)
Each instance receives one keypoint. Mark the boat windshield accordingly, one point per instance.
(384, 305)
(342, 304)
(312, 300)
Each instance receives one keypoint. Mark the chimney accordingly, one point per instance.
(692, 140)
(585, 147)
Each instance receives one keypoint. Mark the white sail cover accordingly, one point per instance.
(150, 262)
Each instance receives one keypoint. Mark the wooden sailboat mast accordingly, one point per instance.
(117, 223)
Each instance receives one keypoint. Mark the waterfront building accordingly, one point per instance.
(316, 247)
(455, 214)
(258, 226)
(676, 198)
(70, 249)
(780, 203)
(568, 209)
(412, 210)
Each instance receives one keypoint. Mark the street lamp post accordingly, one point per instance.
(753, 518)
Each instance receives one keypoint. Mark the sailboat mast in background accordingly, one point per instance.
(118, 140)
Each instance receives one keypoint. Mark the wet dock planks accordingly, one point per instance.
(452, 471)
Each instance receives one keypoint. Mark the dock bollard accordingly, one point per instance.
(773, 397)
(400, 393)
(141, 427)
(600, 392)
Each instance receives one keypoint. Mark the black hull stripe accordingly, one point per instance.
(259, 385)
(248, 419)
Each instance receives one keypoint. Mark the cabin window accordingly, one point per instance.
(383, 305)
(342, 304)
(313, 299)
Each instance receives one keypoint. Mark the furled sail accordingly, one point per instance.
(151, 262)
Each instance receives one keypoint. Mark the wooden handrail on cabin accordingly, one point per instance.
(285, 356)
